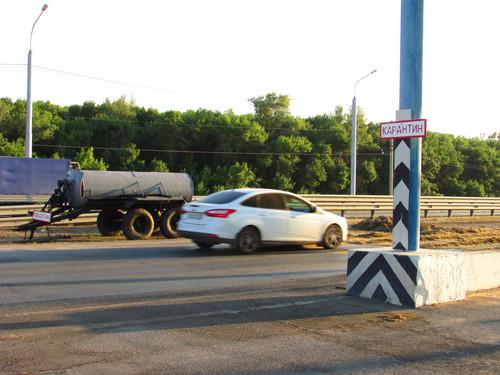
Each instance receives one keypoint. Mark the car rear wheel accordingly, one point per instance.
(248, 240)
(332, 237)
(204, 245)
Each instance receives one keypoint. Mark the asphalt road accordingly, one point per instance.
(165, 307)
(46, 272)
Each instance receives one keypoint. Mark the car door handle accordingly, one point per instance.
(263, 215)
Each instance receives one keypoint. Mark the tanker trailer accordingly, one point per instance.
(136, 203)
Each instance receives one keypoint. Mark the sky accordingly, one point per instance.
(190, 54)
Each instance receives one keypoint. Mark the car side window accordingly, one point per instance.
(270, 201)
(250, 202)
(296, 204)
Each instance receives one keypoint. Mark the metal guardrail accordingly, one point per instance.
(12, 214)
(374, 203)
(23, 199)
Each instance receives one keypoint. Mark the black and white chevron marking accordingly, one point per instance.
(401, 194)
(388, 277)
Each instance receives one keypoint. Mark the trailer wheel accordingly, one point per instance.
(168, 222)
(138, 224)
(109, 222)
(156, 219)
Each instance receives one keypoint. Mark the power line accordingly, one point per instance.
(124, 83)
(159, 123)
(153, 88)
(204, 152)
(212, 152)
(469, 166)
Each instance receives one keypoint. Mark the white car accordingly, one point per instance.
(248, 218)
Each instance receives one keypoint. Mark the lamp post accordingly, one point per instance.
(353, 136)
(28, 141)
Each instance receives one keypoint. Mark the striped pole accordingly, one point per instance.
(410, 97)
(401, 195)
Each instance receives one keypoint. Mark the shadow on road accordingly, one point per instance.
(134, 280)
(481, 357)
(131, 253)
(175, 314)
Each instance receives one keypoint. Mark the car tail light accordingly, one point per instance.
(182, 211)
(222, 212)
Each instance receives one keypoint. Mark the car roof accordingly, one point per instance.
(249, 192)
(259, 190)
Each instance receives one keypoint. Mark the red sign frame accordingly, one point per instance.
(403, 135)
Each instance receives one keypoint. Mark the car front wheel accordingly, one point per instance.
(248, 240)
(332, 237)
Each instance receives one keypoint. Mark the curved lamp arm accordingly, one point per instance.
(44, 8)
(369, 74)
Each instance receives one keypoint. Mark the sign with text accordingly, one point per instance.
(42, 216)
(403, 129)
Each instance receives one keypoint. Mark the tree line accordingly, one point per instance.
(268, 148)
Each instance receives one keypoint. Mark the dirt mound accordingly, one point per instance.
(379, 224)
(465, 233)
(384, 224)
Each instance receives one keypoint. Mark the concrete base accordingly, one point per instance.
(418, 278)
(483, 271)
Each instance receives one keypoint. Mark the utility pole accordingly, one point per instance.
(29, 104)
(354, 129)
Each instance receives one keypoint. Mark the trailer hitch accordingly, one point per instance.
(56, 205)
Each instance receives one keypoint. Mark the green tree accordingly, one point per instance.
(269, 148)
(202, 181)
(120, 109)
(158, 166)
(87, 160)
(330, 134)
(338, 178)
(126, 158)
(235, 176)
(442, 166)
(12, 118)
(367, 175)
(284, 165)
(46, 122)
(474, 188)
(372, 162)
(481, 160)
(14, 148)
(271, 106)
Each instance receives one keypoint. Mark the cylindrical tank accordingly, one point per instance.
(85, 186)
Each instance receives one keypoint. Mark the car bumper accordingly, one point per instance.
(205, 237)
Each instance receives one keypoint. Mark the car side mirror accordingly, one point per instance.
(314, 209)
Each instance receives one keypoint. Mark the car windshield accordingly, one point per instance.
(222, 197)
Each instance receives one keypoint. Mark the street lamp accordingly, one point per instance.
(28, 142)
(353, 136)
